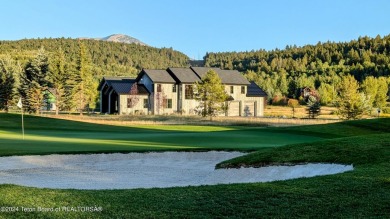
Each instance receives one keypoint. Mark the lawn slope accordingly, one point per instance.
(362, 193)
(47, 135)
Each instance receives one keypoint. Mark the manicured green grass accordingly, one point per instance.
(362, 193)
(46, 135)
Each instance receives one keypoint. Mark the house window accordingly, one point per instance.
(174, 88)
(242, 89)
(158, 87)
(189, 92)
(146, 103)
(168, 103)
(129, 103)
(232, 89)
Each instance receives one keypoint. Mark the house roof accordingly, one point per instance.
(227, 76)
(255, 91)
(157, 76)
(183, 75)
(232, 77)
(124, 87)
(201, 71)
(109, 80)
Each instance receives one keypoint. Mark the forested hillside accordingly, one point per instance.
(353, 76)
(283, 72)
(107, 58)
(71, 69)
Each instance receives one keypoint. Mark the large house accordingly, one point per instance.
(171, 91)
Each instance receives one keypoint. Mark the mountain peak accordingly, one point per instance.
(119, 38)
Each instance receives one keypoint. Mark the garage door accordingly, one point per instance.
(234, 108)
(249, 109)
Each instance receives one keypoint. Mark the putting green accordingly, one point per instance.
(46, 135)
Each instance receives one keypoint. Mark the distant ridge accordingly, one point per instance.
(119, 38)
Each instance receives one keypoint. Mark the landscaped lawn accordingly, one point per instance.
(46, 135)
(362, 193)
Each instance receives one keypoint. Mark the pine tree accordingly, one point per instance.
(211, 95)
(85, 91)
(7, 82)
(370, 89)
(33, 81)
(313, 106)
(35, 97)
(58, 79)
(381, 95)
(350, 103)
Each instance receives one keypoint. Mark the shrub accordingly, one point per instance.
(279, 101)
(386, 110)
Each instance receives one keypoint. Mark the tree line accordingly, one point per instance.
(282, 74)
(71, 69)
(107, 58)
(72, 86)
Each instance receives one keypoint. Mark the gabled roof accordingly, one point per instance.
(201, 71)
(157, 76)
(109, 80)
(255, 91)
(232, 77)
(183, 75)
(121, 85)
(227, 76)
(124, 87)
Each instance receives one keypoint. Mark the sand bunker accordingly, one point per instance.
(144, 170)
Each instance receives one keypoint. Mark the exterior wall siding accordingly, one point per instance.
(186, 106)
(247, 106)
(137, 109)
(259, 105)
(161, 108)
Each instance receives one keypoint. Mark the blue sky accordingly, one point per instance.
(197, 27)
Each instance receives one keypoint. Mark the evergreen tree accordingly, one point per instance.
(370, 89)
(282, 83)
(58, 79)
(34, 81)
(8, 71)
(211, 95)
(313, 106)
(85, 91)
(35, 97)
(381, 95)
(350, 103)
(327, 93)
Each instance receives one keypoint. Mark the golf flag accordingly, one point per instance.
(20, 104)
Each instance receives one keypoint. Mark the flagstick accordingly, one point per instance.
(22, 124)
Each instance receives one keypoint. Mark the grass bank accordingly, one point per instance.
(48, 135)
(362, 193)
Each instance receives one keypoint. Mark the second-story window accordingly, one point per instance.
(232, 89)
(189, 92)
(242, 89)
(158, 87)
(174, 88)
